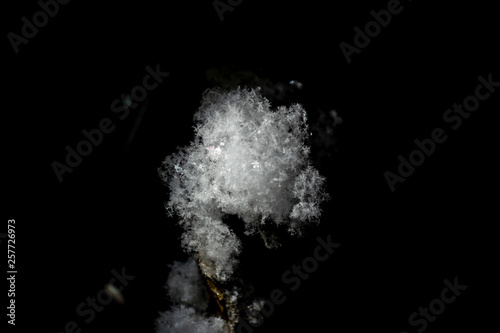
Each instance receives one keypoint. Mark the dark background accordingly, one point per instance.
(397, 248)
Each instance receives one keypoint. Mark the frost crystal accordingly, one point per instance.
(246, 160)
(185, 320)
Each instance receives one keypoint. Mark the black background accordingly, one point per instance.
(397, 248)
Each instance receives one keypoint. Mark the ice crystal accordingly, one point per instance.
(246, 160)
